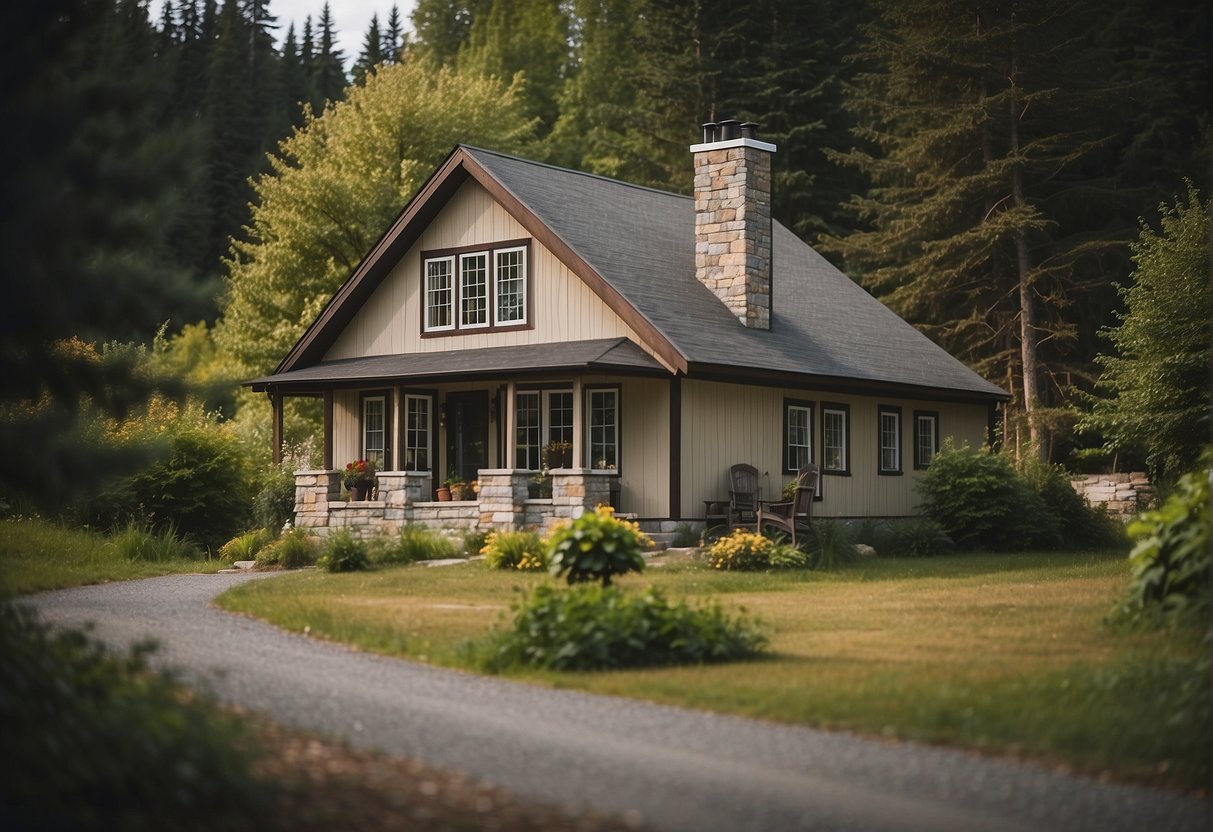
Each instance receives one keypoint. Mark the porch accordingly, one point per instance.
(503, 503)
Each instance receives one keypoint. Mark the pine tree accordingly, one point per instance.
(442, 27)
(372, 52)
(296, 91)
(328, 71)
(393, 44)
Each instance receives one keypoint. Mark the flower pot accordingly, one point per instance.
(361, 491)
(444, 494)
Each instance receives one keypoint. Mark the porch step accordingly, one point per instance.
(661, 540)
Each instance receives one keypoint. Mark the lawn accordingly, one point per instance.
(1007, 654)
(36, 555)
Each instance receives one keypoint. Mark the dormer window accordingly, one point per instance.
(476, 288)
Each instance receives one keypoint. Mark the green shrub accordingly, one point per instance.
(834, 545)
(686, 536)
(596, 546)
(912, 537)
(139, 542)
(274, 504)
(746, 551)
(473, 542)
(524, 551)
(295, 549)
(1170, 563)
(414, 542)
(1079, 525)
(599, 628)
(94, 741)
(343, 553)
(245, 546)
(980, 501)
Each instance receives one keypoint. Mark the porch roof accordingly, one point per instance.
(603, 354)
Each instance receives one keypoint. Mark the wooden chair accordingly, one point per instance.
(794, 518)
(743, 496)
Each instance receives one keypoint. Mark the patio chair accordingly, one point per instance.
(743, 496)
(794, 518)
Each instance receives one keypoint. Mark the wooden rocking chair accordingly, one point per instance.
(794, 518)
(743, 496)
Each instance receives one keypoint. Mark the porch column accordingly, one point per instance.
(328, 430)
(578, 423)
(507, 418)
(276, 408)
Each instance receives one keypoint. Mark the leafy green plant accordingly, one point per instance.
(1078, 524)
(596, 546)
(1170, 562)
(599, 628)
(912, 537)
(979, 500)
(414, 542)
(343, 552)
(835, 546)
(274, 504)
(245, 546)
(743, 551)
(293, 550)
(523, 550)
(473, 542)
(139, 542)
(686, 536)
(94, 741)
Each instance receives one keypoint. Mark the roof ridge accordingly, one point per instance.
(587, 174)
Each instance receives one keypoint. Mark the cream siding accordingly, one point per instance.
(644, 466)
(563, 307)
(728, 423)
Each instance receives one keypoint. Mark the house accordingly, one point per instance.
(513, 304)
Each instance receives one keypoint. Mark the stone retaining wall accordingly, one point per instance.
(1123, 495)
(403, 497)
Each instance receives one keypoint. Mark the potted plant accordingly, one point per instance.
(558, 454)
(451, 488)
(359, 478)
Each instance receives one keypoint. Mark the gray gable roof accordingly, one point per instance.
(642, 242)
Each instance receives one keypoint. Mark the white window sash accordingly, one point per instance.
(431, 292)
(520, 284)
(484, 293)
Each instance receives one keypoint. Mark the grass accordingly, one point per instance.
(1006, 654)
(36, 555)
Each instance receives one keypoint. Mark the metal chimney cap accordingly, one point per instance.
(749, 130)
(730, 128)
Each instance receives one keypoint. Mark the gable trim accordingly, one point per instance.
(407, 228)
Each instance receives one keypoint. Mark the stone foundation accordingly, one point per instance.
(1123, 495)
(404, 497)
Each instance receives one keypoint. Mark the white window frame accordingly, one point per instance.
(803, 440)
(844, 417)
(543, 399)
(537, 447)
(888, 416)
(920, 418)
(547, 415)
(368, 451)
(524, 279)
(424, 427)
(487, 296)
(430, 292)
(592, 458)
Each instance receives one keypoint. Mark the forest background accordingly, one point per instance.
(187, 192)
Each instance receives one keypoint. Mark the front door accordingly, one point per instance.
(467, 433)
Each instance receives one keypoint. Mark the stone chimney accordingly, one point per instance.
(733, 219)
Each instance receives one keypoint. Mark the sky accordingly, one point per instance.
(351, 18)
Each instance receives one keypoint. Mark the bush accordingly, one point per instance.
(94, 741)
(414, 542)
(293, 550)
(138, 542)
(600, 628)
(913, 537)
(1170, 563)
(343, 553)
(524, 551)
(835, 546)
(686, 536)
(596, 546)
(1078, 524)
(745, 551)
(980, 501)
(274, 504)
(473, 542)
(245, 546)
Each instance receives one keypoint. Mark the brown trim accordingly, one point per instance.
(401, 427)
(845, 470)
(586, 390)
(882, 409)
(992, 424)
(676, 448)
(552, 241)
(386, 395)
(934, 414)
(490, 251)
(832, 384)
(328, 429)
(783, 414)
(276, 416)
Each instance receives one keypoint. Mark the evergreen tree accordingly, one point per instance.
(1159, 377)
(328, 70)
(442, 27)
(372, 51)
(297, 92)
(393, 44)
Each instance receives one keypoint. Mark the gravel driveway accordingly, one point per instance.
(679, 770)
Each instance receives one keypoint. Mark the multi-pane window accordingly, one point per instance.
(560, 415)
(798, 435)
(374, 430)
(439, 294)
(926, 438)
(834, 440)
(890, 440)
(603, 411)
(527, 429)
(473, 291)
(417, 433)
(511, 286)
